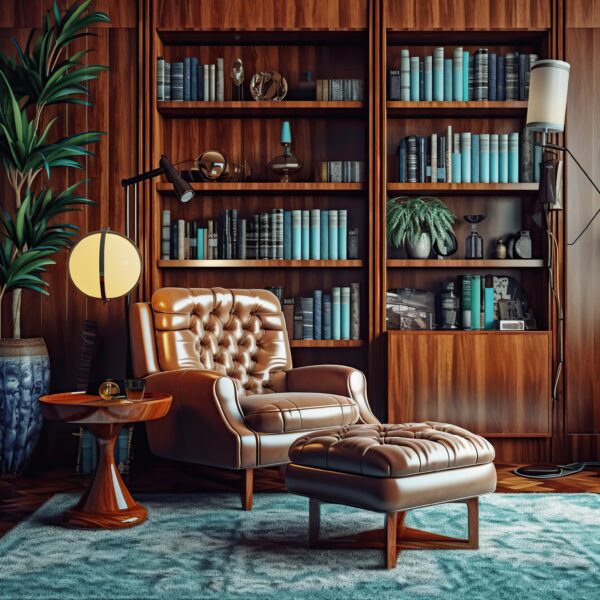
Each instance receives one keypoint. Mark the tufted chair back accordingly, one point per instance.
(239, 333)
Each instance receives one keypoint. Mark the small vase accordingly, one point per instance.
(422, 249)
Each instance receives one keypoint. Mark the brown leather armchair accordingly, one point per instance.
(224, 355)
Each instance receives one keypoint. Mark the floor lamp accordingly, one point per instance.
(548, 88)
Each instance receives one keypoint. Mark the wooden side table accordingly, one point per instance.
(107, 503)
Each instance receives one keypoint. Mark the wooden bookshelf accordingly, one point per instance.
(262, 264)
(450, 263)
(269, 187)
(491, 189)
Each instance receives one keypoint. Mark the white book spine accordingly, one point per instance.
(212, 82)
(181, 239)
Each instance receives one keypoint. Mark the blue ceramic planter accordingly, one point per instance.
(24, 377)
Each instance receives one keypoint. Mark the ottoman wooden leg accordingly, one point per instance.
(391, 535)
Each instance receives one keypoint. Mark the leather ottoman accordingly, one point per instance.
(392, 469)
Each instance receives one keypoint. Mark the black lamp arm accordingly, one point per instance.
(142, 177)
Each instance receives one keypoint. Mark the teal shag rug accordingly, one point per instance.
(203, 546)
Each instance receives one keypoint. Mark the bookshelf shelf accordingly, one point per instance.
(265, 263)
(266, 110)
(270, 187)
(466, 263)
(494, 189)
(327, 343)
(466, 332)
(483, 108)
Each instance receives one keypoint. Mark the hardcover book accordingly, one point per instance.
(355, 311)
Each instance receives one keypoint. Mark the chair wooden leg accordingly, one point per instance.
(391, 535)
(247, 488)
(473, 512)
(314, 522)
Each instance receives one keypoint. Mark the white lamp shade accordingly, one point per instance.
(548, 87)
(112, 275)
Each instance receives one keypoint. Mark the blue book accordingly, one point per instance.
(343, 234)
(494, 158)
(187, 79)
(428, 78)
(287, 234)
(194, 80)
(335, 314)
(465, 77)
(448, 79)
(414, 78)
(503, 158)
(200, 244)
(492, 76)
(456, 168)
(474, 158)
(513, 157)
(476, 302)
(200, 81)
(324, 234)
(317, 314)
(305, 235)
(326, 318)
(296, 234)
(315, 234)
(438, 74)
(484, 158)
(465, 161)
(488, 302)
(333, 235)
(500, 78)
(457, 75)
(345, 313)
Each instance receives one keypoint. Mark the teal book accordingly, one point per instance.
(343, 234)
(336, 331)
(345, 313)
(494, 158)
(414, 79)
(484, 158)
(475, 158)
(333, 235)
(476, 302)
(488, 302)
(456, 167)
(448, 79)
(305, 235)
(503, 158)
(200, 244)
(457, 75)
(465, 77)
(465, 160)
(315, 234)
(428, 78)
(287, 234)
(296, 234)
(438, 74)
(513, 157)
(324, 234)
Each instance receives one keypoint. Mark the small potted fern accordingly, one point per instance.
(417, 223)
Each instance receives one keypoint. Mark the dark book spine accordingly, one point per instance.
(307, 318)
(317, 314)
(174, 242)
(471, 84)
(511, 71)
(177, 81)
(355, 311)
(422, 158)
(200, 79)
(481, 74)
(263, 239)
(492, 76)
(326, 317)
(298, 318)
(353, 244)
(421, 79)
(160, 79)
(233, 228)
(273, 234)
(167, 88)
(402, 161)
(279, 233)
(500, 78)
(194, 79)
(394, 85)
(241, 239)
(523, 72)
(412, 159)
(187, 79)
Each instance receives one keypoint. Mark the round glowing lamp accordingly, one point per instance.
(105, 264)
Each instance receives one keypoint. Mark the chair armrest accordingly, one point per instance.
(333, 379)
(205, 424)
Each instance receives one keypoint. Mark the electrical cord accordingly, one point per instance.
(554, 472)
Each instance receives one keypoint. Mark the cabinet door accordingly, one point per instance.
(495, 383)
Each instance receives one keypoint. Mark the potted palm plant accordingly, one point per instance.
(46, 74)
(417, 223)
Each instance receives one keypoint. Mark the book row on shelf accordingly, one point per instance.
(484, 75)
(189, 80)
(470, 158)
(343, 171)
(316, 234)
(339, 90)
(473, 302)
(325, 315)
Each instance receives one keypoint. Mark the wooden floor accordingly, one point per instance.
(21, 497)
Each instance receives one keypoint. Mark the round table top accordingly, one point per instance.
(85, 408)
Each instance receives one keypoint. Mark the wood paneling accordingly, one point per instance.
(491, 383)
(583, 259)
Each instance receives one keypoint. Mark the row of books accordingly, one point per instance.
(483, 75)
(189, 80)
(343, 171)
(470, 158)
(339, 89)
(87, 455)
(333, 315)
(316, 234)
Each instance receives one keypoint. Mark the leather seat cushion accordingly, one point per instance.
(392, 450)
(297, 411)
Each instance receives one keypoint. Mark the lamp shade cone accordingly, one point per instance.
(105, 264)
(548, 88)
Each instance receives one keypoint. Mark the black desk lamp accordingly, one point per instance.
(548, 88)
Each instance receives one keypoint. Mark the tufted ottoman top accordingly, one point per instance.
(392, 450)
